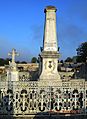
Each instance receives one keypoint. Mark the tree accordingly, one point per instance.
(34, 60)
(23, 62)
(18, 62)
(1, 62)
(61, 61)
(82, 52)
(68, 59)
(4, 61)
(74, 59)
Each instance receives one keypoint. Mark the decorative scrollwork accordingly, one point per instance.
(29, 98)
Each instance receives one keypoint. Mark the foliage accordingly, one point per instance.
(82, 52)
(23, 62)
(74, 59)
(61, 61)
(4, 61)
(34, 60)
(68, 59)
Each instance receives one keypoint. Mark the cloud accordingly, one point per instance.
(4, 42)
(36, 32)
(73, 32)
(70, 36)
(36, 38)
(78, 8)
(4, 46)
(25, 54)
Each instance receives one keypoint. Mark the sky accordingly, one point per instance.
(22, 26)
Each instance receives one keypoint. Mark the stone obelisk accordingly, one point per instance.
(50, 54)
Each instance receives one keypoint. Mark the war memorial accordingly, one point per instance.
(49, 97)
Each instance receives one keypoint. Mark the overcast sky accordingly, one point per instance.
(22, 26)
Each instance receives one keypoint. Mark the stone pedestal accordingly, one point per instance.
(50, 66)
(12, 73)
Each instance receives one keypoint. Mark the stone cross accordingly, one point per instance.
(13, 54)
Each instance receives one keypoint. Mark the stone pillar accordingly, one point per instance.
(50, 52)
